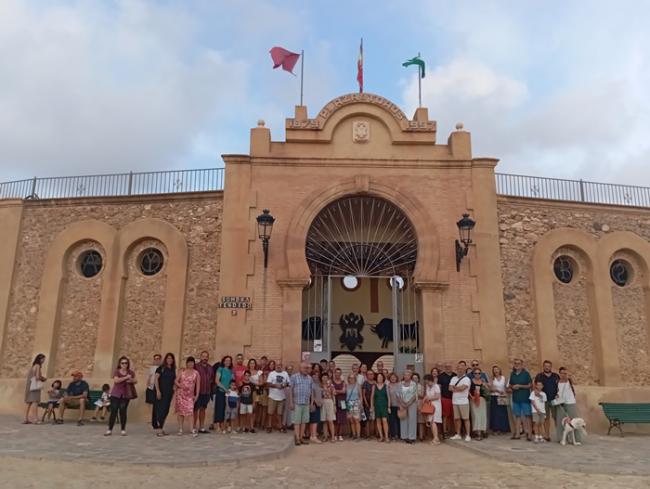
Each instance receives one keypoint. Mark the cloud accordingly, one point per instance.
(100, 88)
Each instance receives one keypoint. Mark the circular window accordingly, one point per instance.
(564, 268)
(350, 282)
(396, 280)
(151, 261)
(90, 263)
(621, 272)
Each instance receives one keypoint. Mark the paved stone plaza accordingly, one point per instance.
(74, 457)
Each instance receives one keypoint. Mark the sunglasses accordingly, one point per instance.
(474, 364)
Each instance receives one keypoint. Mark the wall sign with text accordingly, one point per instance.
(235, 302)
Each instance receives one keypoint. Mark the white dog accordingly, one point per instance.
(570, 426)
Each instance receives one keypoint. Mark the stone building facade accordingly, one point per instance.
(87, 279)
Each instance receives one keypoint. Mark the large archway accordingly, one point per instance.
(361, 301)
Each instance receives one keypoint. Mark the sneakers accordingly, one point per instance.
(123, 432)
(456, 437)
(468, 438)
(108, 433)
(80, 422)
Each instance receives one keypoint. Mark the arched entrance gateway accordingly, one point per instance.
(361, 303)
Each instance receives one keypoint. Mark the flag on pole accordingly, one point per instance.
(415, 61)
(360, 67)
(284, 58)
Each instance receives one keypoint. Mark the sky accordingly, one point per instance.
(554, 88)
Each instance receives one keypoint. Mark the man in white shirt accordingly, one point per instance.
(277, 381)
(459, 386)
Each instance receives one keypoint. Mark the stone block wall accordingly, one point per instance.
(197, 217)
(522, 223)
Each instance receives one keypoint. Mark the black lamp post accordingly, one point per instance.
(465, 226)
(264, 227)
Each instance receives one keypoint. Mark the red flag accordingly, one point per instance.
(284, 58)
(360, 67)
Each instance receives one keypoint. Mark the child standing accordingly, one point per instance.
(103, 403)
(55, 394)
(232, 406)
(538, 405)
(246, 404)
(328, 410)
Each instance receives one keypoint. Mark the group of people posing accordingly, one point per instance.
(320, 402)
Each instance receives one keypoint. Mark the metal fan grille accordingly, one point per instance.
(361, 236)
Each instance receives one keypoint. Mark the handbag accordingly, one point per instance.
(428, 407)
(402, 413)
(131, 393)
(35, 384)
(502, 401)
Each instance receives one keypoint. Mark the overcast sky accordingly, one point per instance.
(551, 88)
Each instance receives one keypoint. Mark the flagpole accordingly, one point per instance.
(302, 72)
(419, 83)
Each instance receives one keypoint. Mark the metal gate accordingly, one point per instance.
(318, 325)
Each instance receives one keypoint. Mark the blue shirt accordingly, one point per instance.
(301, 388)
(521, 378)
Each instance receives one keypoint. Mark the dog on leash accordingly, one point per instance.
(570, 426)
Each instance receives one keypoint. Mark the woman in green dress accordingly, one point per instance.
(379, 404)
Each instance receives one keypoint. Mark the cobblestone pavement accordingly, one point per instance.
(46, 456)
(598, 454)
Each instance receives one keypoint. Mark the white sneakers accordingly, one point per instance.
(108, 433)
(123, 432)
(456, 437)
(468, 438)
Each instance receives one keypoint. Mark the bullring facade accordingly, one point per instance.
(361, 259)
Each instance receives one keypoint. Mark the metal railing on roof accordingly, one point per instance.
(572, 190)
(116, 184)
(212, 179)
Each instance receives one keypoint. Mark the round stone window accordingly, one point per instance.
(350, 282)
(621, 272)
(564, 268)
(90, 263)
(151, 261)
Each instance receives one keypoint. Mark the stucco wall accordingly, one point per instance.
(522, 224)
(197, 217)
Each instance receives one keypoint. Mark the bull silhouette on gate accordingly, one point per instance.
(384, 331)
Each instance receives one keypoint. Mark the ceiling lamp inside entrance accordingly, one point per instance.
(361, 236)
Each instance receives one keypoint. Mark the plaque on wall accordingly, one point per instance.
(235, 302)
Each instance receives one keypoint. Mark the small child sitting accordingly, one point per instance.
(55, 394)
(103, 403)
(232, 405)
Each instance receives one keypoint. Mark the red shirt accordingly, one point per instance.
(206, 377)
(239, 370)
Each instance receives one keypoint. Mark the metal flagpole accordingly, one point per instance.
(419, 83)
(302, 72)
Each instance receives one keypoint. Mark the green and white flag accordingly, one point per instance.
(415, 61)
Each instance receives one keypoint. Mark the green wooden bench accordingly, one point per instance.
(93, 396)
(619, 413)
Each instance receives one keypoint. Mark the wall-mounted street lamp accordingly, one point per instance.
(465, 226)
(264, 227)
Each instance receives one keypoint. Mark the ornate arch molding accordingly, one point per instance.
(53, 274)
(176, 270)
(296, 269)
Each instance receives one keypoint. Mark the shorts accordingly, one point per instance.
(202, 401)
(314, 416)
(276, 407)
(54, 404)
(520, 409)
(245, 409)
(263, 399)
(461, 411)
(149, 396)
(300, 414)
(327, 411)
(231, 413)
(76, 403)
(447, 408)
(354, 411)
(539, 417)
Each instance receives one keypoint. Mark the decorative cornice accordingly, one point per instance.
(431, 285)
(293, 283)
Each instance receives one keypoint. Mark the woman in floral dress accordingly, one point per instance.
(187, 392)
